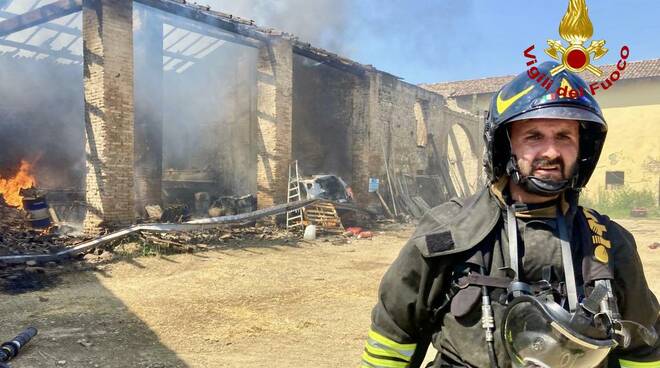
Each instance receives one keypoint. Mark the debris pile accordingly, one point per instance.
(209, 238)
(17, 237)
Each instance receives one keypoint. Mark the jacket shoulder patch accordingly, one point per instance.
(440, 242)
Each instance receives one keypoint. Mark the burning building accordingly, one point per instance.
(120, 104)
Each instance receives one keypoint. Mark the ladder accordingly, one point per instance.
(294, 218)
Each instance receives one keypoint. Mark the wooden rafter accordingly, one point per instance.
(39, 16)
(64, 53)
(51, 26)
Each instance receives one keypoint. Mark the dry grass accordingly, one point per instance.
(304, 305)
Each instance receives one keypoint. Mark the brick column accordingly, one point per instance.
(108, 92)
(359, 139)
(148, 111)
(274, 120)
(366, 134)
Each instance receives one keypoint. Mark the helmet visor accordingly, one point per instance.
(562, 112)
(536, 338)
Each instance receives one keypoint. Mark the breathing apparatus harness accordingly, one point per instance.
(538, 331)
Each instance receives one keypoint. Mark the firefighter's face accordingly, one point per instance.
(546, 148)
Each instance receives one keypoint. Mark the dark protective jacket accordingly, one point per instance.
(417, 303)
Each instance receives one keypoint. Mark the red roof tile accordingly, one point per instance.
(634, 70)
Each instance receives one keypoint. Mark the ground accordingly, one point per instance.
(264, 304)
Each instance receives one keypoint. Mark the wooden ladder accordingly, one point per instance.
(294, 218)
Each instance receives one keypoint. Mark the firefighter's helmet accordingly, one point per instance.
(526, 98)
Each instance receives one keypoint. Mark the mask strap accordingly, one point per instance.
(512, 232)
(567, 259)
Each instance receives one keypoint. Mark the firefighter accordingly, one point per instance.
(520, 275)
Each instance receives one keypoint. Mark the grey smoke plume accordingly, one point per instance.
(41, 103)
(396, 36)
(323, 23)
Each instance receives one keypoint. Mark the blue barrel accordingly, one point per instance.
(37, 212)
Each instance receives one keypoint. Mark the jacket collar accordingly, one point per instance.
(476, 220)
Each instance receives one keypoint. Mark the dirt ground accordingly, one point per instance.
(303, 304)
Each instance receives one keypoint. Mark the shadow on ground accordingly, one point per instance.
(90, 332)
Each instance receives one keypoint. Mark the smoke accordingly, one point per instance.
(199, 85)
(400, 37)
(41, 104)
(411, 38)
(323, 23)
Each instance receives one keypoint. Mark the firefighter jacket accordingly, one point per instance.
(419, 304)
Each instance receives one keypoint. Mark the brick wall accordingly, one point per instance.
(323, 117)
(390, 131)
(108, 92)
(274, 120)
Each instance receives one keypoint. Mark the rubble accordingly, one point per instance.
(175, 214)
(29, 258)
(17, 237)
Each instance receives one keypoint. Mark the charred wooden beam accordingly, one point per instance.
(328, 60)
(39, 16)
(249, 34)
(183, 57)
(64, 53)
(212, 32)
(205, 15)
(51, 26)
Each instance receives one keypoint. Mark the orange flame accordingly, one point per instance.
(10, 188)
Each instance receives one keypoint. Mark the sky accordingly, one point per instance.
(430, 41)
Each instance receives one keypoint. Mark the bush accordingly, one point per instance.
(619, 202)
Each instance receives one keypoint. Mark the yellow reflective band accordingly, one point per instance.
(389, 343)
(385, 363)
(374, 350)
(631, 364)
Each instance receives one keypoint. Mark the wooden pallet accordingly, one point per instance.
(324, 216)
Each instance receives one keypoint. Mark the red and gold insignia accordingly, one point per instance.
(576, 28)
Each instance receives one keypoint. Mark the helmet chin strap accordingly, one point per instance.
(533, 184)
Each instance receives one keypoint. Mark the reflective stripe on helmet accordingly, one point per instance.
(380, 351)
(631, 364)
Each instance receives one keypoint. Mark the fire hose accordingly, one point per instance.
(10, 349)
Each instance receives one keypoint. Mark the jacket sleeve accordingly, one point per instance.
(402, 320)
(636, 302)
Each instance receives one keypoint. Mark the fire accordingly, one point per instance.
(10, 188)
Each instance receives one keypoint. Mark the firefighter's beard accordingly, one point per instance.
(548, 170)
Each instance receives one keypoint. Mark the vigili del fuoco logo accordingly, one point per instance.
(575, 28)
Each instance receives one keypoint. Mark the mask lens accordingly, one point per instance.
(533, 339)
